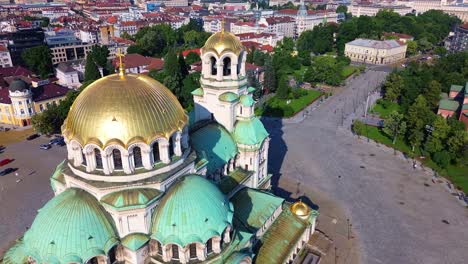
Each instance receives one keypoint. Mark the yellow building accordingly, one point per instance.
(21, 100)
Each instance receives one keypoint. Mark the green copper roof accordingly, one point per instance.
(198, 92)
(249, 132)
(228, 97)
(231, 181)
(57, 176)
(281, 238)
(16, 254)
(193, 210)
(237, 257)
(131, 198)
(251, 89)
(253, 207)
(466, 88)
(465, 107)
(247, 100)
(135, 241)
(456, 88)
(214, 143)
(71, 227)
(444, 96)
(448, 104)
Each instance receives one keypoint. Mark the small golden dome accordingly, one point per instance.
(222, 42)
(300, 209)
(123, 111)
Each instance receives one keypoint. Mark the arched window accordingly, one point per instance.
(209, 246)
(175, 252)
(155, 151)
(214, 69)
(112, 254)
(193, 251)
(117, 159)
(239, 63)
(97, 154)
(84, 158)
(93, 260)
(227, 66)
(159, 248)
(171, 147)
(137, 157)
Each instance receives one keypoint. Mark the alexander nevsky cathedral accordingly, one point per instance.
(145, 182)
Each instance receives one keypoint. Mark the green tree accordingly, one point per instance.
(135, 49)
(39, 60)
(393, 87)
(441, 51)
(394, 126)
(419, 115)
(358, 127)
(269, 80)
(283, 88)
(440, 130)
(191, 58)
(91, 70)
(182, 66)
(411, 47)
(95, 60)
(342, 9)
(424, 44)
(190, 83)
(324, 69)
(432, 93)
(125, 35)
(173, 79)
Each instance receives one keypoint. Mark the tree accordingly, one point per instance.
(440, 130)
(269, 81)
(135, 49)
(252, 80)
(411, 47)
(432, 93)
(419, 115)
(95, 60)
(394, 126)
(424, 44)
(91, 70)
(324, 69)
(393, 87)
(39, 60)
(358, 127)
(342, 9)
(441, 51)
(125, 35)
(182, 66)
(283, 88)
(191, 58)
(189, 84)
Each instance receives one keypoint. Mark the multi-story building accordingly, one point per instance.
(106, 34)
(375, 51)
(61, 38)
(285, 26)
(5, 58)
(459, 41)
(22, 40)
(70, 52)
(455, 103)
(372, 9)
(241, 27)
(450, 7)
(131, 27)
(136, 63)
(67, 76)
(22, 96)
(89, 35)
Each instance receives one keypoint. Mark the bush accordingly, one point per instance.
(442, 159)
(358, 127)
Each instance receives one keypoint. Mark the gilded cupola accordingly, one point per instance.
(222, 42)
(300, 209)
(123, 109)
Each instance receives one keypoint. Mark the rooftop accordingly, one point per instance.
(377, 44)
(448, 104)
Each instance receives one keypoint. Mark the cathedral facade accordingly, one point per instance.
(145, 182)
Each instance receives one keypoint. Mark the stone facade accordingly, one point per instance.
(375, 51)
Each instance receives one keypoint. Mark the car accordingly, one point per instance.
(60, 143)
(56, 140)
(5, 162)
(6, 171)
(45, 146)
(33, 136)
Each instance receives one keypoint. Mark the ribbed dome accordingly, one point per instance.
(193, 210)
(300, 209)
(72, 227)
(249, 132)
(18, 85)
(123, 111)
(221, 42)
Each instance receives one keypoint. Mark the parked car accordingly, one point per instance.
(5, 162)
(33, 136)
(60, 143)
(6, 171)
(56, 140)
(45, 146)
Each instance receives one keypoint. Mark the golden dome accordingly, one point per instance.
(223, 41)
(300, 209)
(123, 111)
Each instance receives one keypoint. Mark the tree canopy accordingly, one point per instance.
(39, 60)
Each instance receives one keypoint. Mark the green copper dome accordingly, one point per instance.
(249, 132)
(193, 210)
(131, 198)
(72, 227)
(247, 100)
(228, 97)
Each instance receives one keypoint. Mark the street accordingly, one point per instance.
(23, 194)
(397, 214)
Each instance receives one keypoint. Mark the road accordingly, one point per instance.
(396, 213)
(21, 200)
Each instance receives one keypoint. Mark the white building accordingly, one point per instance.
(285, 26)
(450, 7)
(5, 58)
(88, 36)
(372, 9)
(67, 76)
(375, 51)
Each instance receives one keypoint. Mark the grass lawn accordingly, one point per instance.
(384, 109)
(457, 174)
(279, 108)
(13, 136)
(348, 70)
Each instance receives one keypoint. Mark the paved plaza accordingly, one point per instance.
(397, 213)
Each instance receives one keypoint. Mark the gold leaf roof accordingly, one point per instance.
(222, 42)
(118, 110)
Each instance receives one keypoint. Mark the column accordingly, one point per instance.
(234, 70)
(70, 151)
(76, 156)
(231, 165)
(225, 171)
(164, 152)
(219, 69)
(201, 252)
(106, 166)
(242, 69)
(90, 160)
(227, 235)
(166, 254)
(146, 159)
(216, 243)
(177, 145)
(125, 163)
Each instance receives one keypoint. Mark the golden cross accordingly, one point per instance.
(121, 66)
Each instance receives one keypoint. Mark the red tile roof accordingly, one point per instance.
(48, 91)
(137, 60)
(4, 96)
(186, 52)
(3, 48)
